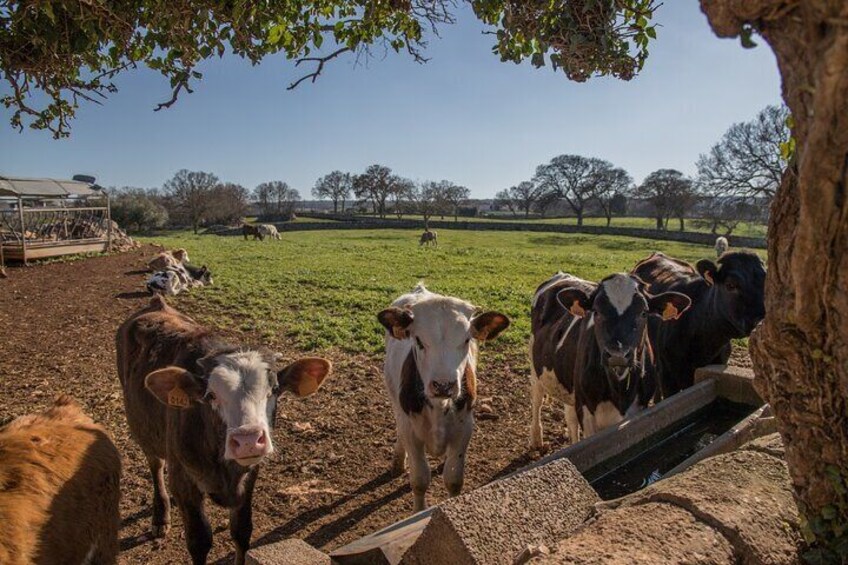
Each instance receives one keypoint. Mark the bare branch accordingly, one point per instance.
(313, 76)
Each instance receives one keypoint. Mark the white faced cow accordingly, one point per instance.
(589, 347)
(430, 374)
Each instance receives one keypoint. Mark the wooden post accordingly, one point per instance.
(109, 222)
(23, 229)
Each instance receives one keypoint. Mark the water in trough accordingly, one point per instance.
(655, 456)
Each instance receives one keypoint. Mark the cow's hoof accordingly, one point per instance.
(160, 531)
(396, 470)
(540, 448)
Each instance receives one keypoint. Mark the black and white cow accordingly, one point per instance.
(589, 347)
(431, 377)
(728, 301)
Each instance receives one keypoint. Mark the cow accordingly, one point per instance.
(589, 348)
(206, 409)
(167, 259)
(173, 280)
(728, 301)
(721, 245)
(268, 230)
(247, 229)
(60, 480)
(430, 374)
(428, 238)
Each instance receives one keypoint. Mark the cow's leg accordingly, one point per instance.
(241, 519)
(573, 424)
(189, 500)
(161, 502)
(454, 470)
(537, 396)
(398, 458)
(419, 473)
(589, 424)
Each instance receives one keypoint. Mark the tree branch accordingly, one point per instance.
(313, 76)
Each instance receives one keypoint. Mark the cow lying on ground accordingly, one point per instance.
(428, 238)
(589, 347)
(430, 375)
(247, 230)
(721, 245)
(173, 280)
(727, 303)
(268, 230)
(167, 259)
(207, 408)
(59, 489)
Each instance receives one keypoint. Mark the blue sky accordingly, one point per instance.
(463, 116)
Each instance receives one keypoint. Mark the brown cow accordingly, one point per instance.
(59, 489)
(167, 259)
(207, 408)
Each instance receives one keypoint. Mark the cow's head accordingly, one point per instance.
(444, 332)
(204, 275)
(618, 312)
(242, 388)
(739, 281)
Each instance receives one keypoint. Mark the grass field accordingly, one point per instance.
(744, 229)
(322, 290)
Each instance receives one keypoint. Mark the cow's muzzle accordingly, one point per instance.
(248, 445)
(443, 389)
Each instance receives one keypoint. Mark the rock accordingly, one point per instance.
(530, 552)
(493, 524)
(302, 427)
(487, 416)
(485, 409)
(745, 495)
(771, 444)
(287, 552)
(644, 535)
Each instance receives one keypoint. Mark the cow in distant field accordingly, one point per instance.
(268, 230)
(728, 301)
(428, 238)
(60, 480)
(721, 245)
(167, 259)
(431, 377)
(247, 230)
(589, 348)
(206, 408)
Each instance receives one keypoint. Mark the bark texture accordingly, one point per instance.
(800, 351)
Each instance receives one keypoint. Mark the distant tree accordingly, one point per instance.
(609, 184)
(429, 199)
(619, 203)
(228, 204)
(525, 194)
(276, 199)
(401, 196)
(189, 193)
(547, 200)
(453, 195)
(750, 158)
(503, 199)
(375, 186)
(683, 200)
(659, 189)
(336, 186)
(572, 178)
(137, 210)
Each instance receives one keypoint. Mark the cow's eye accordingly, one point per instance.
(467, 340)
(210, 396)
(418, 342)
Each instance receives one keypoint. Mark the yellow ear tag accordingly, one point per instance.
(178, 398)
(670, 312)
(577, 310)
(709, 278)
(399, 333)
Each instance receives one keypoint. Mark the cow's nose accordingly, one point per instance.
(247, 444)
(617, 358)
(442, 389)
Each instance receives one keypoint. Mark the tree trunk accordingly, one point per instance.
(335, 205)
(343, 205)
(660, 222)
(800, 351)
(609, 220)
(580, 217)
(682, 225)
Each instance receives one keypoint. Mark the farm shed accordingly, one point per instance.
(42, 218)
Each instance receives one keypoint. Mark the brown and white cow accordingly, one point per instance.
(60, 480)
(430, 375)
(589, 348)
(166, 259)
(428, 238)
(207, 409)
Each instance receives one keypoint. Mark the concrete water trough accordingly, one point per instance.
(718, 414)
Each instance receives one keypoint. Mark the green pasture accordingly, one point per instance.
(321, 290)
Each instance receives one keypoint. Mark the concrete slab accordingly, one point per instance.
(733, 383)
(495, 523)
(287, 552)
(771, 444)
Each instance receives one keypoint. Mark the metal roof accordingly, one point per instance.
(55, 188)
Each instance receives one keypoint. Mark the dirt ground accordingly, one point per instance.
(328, 482)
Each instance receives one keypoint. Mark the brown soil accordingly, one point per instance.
(328, 483)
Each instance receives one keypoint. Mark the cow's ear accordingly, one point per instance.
(488, 325)
(396, 321)
(575, 301)
(304, 376)
(708, 270)
(174, 386)
(669, 305)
